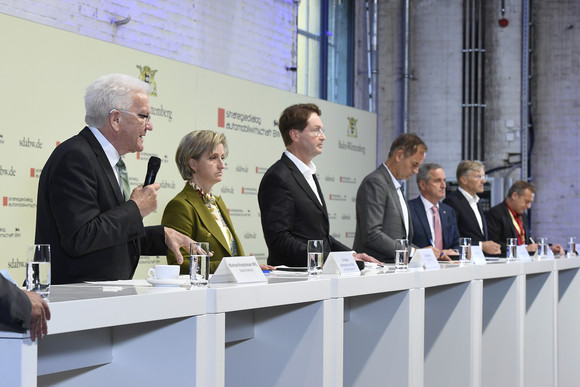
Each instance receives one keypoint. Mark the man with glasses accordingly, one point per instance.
(470, 218)
(292, 205)
(84, 208)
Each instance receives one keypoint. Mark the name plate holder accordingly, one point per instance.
(239, 270)
(523, 255)
(341, 263)
(477, 256)
(424, 258)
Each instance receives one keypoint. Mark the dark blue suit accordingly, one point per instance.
(422, 233)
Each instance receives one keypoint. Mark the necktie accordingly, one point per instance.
(437, 227)
(124, 178)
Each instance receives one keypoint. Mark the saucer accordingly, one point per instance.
(168, 282)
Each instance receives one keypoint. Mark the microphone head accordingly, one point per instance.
(154, 163)
(152, 168)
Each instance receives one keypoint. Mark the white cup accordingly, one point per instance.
(164, 272)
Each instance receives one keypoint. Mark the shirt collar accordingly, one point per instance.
(110, 151)
(428, 205)
(309, 169)
(470, 199)
(395, 181)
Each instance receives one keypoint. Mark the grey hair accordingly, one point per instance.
(423, 174)
(466, 166)
(112, 91)
(193, 145)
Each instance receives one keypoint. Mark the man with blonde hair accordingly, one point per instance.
(470, 218)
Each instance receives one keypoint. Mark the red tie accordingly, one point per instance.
(437, 226)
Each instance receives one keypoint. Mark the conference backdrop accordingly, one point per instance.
(45, 72)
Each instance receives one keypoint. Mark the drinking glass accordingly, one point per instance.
(465, 245)
(315, 252)
(571, 247)
(401, 254)
(511, 249)
(543, 248)
(199, 263)
(38, 269)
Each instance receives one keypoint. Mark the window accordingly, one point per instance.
(325, 45)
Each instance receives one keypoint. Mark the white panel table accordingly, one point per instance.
(279, 334)
(122, 337)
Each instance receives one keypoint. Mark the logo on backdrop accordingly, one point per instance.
(352, 130)
(243, 122)
(8, 201)
(147, 74)
(5, 171)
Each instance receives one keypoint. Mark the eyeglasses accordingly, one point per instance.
(318, 132)
(146, 117)
(480, 177)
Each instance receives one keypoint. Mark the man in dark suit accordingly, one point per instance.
(470, 218)
(21, 310)
(509, 219)
(292, 205)
(85, 210)
(382, 213)
(434, 223)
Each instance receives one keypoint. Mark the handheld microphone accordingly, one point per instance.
(152, 168)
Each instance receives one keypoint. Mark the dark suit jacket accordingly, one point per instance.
(500, 226)
(188, 214)
(291, 215)
(15, 307)
(466, 220)
(379, 216)
(422, 233)
(93, 233)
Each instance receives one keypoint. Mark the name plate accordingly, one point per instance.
(424, 258)
(340, 263)
(550, 254)
(239, 270)
(477, 256)
(523, 254)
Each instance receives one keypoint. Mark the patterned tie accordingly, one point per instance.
(124, 178)
(437, 226)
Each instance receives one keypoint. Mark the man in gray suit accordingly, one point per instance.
(382, 213)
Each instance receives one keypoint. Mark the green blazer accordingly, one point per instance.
(188, 214)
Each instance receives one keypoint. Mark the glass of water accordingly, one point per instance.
(511, 249)
(465, 245)
(542, 248)
(38, 269)
(571, 247)
(401, 254)
(199, 263)
(315, 252)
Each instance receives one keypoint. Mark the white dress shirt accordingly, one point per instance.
(472, 200)
(307, 171)
(404, 208)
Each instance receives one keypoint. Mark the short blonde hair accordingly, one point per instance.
(193, 145)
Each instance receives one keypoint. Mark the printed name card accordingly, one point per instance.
(238, 269)
(477, 256)
(550, 254)
(424, 258)
(523, 254)
(340, 263)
